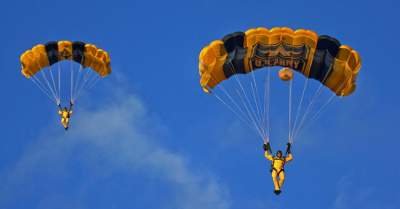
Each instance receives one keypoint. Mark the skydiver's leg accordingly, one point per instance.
(64, 122)
(281, 178)
(275, 180)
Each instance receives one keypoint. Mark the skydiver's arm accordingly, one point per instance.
(289, 157)
(268, 156)
(267, 151)
(70, 106)
(288, 148)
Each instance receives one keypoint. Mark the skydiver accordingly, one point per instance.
(277, 165)
(65, 114)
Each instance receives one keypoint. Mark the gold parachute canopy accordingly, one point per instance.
(322, 58)
(45, 55)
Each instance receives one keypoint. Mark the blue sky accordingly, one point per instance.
(148, 137)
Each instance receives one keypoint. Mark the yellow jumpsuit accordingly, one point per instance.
(65, 115)
(277, 170)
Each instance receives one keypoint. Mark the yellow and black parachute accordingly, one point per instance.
(321, 58)
(42, 56)
(62, 69)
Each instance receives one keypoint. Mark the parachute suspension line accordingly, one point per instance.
(91, 82)
(313, 99)
(313, 118)
(236, 105)
(256, 125)
(37, 82)
(94, 81)
(329, 101)
(54, 85)
(78, 80)
(250, 110)
(257, 102)
(237, 108)
(263, 123)
(248, 120)
(48, 84)
(238, 111)
(49, 88)
(267, 99)
(85, 77)
(290, 111)
(72, 81)
(309, 108)
(257, 112)
(299, 107)
(59, 79)
(247, 104)
(231, 109)
(87, 80)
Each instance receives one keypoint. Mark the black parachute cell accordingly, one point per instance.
(233, 40)
(234, 46)
(52, 51)
(328, 43)
(78, 50)
(326, 51)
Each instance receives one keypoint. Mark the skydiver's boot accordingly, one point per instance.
(64, 124)
(277, 192)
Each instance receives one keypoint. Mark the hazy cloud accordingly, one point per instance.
(120, 133)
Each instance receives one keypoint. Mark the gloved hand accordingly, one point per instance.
(288, 148)
(266, 147)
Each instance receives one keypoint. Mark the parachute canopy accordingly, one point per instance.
(322, 58)
(42, 56)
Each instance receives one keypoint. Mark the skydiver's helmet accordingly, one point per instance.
(279, 154)
(65, 109)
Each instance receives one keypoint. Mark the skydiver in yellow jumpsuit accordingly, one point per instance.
(277, 165)
(65, 114)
